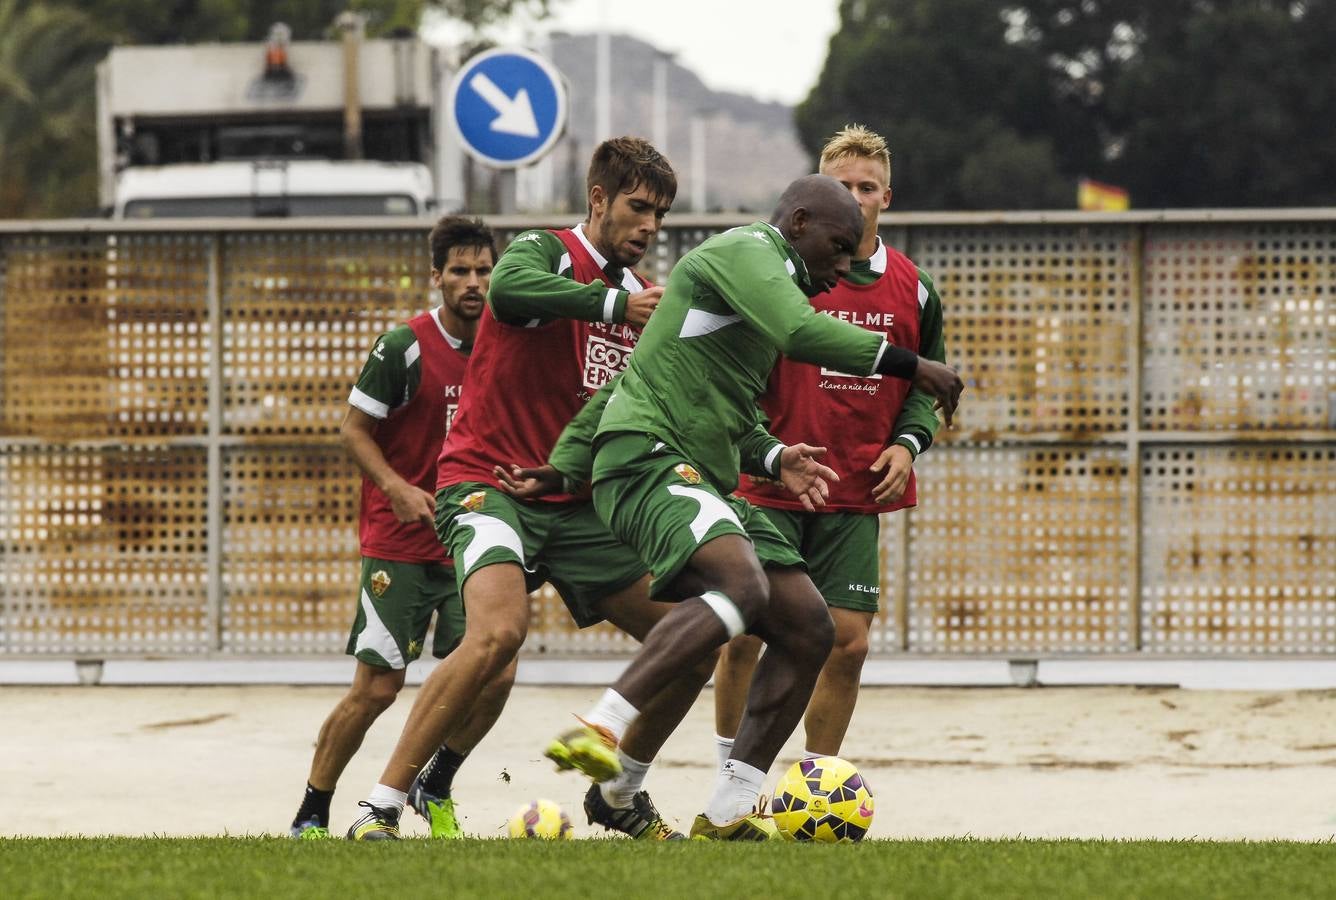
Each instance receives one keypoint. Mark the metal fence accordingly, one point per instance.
(1144, 463)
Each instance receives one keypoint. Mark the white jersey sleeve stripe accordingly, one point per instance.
(411, 354)
(880, 353)
(368, 404)
(610, 305)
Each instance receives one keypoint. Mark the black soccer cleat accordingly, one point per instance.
(640, 821)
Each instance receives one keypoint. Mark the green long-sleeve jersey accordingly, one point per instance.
(573, 455)
(917, 424)
(730, 308)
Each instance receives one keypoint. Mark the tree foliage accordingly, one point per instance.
(47, 149)
(1006, 105)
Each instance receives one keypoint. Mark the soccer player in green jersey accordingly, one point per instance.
(667, 453)
(563, 313)
(876, 428)
(399, 411)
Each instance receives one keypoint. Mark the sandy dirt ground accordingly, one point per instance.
(1047, 762)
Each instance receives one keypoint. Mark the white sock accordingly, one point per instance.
(383, 797)
(735, 792)
(619, 791)
(723, 748)
(812, 754)
(613, 713)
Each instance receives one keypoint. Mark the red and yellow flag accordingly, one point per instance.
(1101, 197)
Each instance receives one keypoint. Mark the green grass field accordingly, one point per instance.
(107, 868)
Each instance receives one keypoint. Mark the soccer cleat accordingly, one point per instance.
(755, 826)
(438, 811)
(590, 748)
(641, 821)
(375, 825)
(309, 830)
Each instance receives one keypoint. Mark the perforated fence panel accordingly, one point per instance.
(1144, 462)
(1239, 327)
(1239, 549)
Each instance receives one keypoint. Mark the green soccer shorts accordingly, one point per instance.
(565, 544)
(656, 501)
(841, 549)
(395, 608)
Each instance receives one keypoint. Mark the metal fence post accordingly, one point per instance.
(1135, 361)
(214, 494)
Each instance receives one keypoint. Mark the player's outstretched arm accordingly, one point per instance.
(528, 284)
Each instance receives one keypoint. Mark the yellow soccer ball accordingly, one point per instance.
(823, 799)
(540, 819)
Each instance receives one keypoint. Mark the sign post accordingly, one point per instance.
(507, 106)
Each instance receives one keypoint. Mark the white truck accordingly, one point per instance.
(318, 128)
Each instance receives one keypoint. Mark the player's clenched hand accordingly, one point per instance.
(803, 476)
(898, 463)
(640, 305)
(412, 504)
(943, 382)
(527, 484)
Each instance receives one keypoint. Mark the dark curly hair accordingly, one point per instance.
(620, 165)
(458, 231)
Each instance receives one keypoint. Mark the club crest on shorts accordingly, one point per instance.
(380, 582)
(473, 502)
(687, 472)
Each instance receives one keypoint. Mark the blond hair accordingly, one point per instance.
(856, 140)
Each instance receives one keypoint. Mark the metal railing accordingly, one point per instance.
(1145, 459)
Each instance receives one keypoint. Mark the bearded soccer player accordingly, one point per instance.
(399, 412)
(564, 312)
(667, 453)
(876, 427)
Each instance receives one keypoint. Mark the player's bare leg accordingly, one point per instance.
(798, 633)
(732, 678)
(372, 692)
(619, 803)
(634, 613)
(836, 692)
(430, 795)
(487, 708)
(498, 620)
(693, 630)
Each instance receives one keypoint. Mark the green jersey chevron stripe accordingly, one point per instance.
(730, 307)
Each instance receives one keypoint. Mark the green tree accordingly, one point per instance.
(1231, 103)
(939, 80)
(1002, 104)
(47, 147)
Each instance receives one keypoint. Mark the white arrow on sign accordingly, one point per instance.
(516, 115)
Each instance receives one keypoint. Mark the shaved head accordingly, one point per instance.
(822, 196)
(822, 221)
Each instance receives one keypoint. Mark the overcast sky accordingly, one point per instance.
(770, 49)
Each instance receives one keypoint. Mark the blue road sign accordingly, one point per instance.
(508, 106)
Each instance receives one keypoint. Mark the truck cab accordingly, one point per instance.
(273, 188)
(307, 128)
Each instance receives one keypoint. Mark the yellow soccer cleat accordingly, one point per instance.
(590, 748)
(755, 826)
(376, 825)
